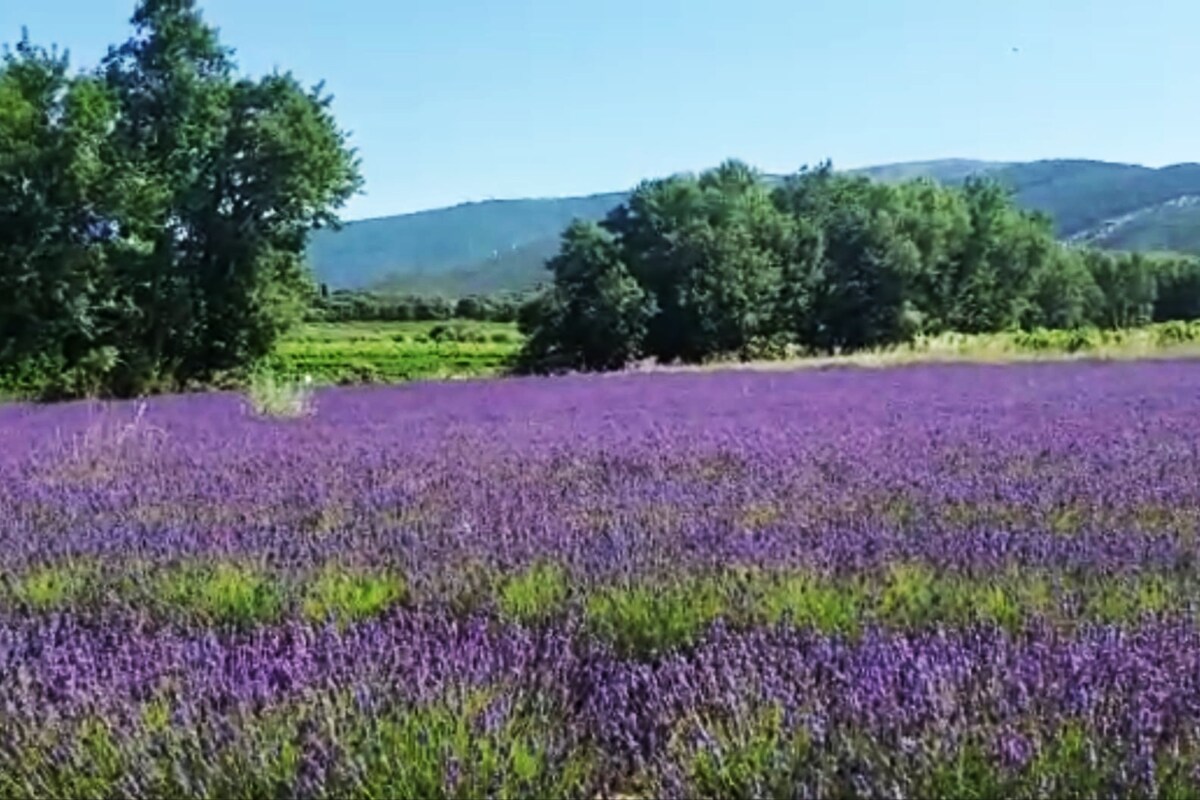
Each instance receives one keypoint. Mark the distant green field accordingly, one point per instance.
(366, 352)
(389, 352)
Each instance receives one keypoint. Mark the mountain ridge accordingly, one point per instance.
(494, 245)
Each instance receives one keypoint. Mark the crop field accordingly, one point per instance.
(941, 580)
(388, 352)
(395, 352)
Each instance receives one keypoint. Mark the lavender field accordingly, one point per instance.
(955, 580)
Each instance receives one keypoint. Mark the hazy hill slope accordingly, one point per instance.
(498, 244)
(1174, 225)
(503, 244)
(513, 270)
(1084, 194)
(437, 241)
(947, 170)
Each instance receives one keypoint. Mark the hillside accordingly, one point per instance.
(1082, 195)
(946, 170)
(429, 243)
(515, 269)
(1173, 225)
(503, 244)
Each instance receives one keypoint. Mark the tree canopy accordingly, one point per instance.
(154, 211)
(730, 264)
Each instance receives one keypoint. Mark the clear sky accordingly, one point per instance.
(458, 100)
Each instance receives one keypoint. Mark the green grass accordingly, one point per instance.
(406, 755)
(462, 745)
(644, 618)
(810, 601)
(214, 594)
(387, 352)
(757, 755)
(534, 595)
(346, 596)
(55, 587)
(751, 757)
(222, 594)
(1161, 340)
(273, 396)
(649, 619)
(91, 774)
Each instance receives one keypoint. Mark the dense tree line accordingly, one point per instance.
(154, 211)
(725, 263)
(344, 305)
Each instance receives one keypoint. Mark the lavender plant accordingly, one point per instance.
(943, 580)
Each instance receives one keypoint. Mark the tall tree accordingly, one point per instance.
(863, 287)
(993, 281)
(1177, 280)
(861, 301)
(596, 315)
(657, 230)
(1128, 288)
(56, 216)
(231, 175)
(711, 252)
(173, 79)
(281, 168)
(1063, 295)
(937, 221)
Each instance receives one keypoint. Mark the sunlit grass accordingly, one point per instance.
(220, 594)
(346, 596)
(808, 601)
(271, 395)
(650, 619)
(643, 618)
(442, 750)
(458, 747)
(57, 586)
(750, 756)
(40, 771)
(757, 754)
(1161, 340)
(534, 595)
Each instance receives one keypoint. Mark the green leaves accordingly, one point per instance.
(55, 208)
(696, 268)
(596, 315)
(535, 595)
(348, 595)
(154, 215)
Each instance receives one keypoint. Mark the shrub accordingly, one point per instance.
(348, 596)
(360, 371)
(220, 594)
(55, 587)
(272, 396)
(533, 595)
(808, 601)
(1175, 333)
(648, 620)
(769, 348)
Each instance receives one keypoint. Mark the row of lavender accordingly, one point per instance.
(928, 580)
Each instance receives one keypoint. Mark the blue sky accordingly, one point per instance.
(458, 100)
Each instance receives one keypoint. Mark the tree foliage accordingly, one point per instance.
(828, 262)
(155, 211)
(596, 316)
